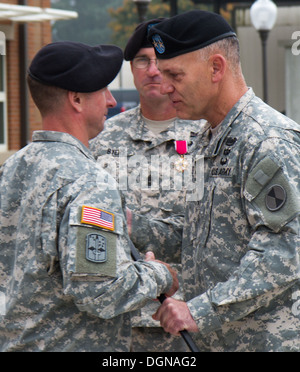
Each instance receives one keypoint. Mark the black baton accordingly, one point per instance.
(184, 334)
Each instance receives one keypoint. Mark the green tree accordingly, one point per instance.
(92, 25)
(125, 19)
(108, 21)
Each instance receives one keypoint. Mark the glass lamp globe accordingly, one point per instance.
(263, 14)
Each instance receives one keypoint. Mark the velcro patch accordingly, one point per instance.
(260, 176)
(272, 195)
(98, 217)
(96, 254)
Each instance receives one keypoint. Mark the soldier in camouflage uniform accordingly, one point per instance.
(130, 148)
(67, 281)
(241, 250)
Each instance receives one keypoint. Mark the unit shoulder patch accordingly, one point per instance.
(275, 198)
(96, 248)
(96, 254)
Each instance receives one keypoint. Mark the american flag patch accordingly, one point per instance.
(98, 217)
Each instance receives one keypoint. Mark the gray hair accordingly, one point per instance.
(229, 48)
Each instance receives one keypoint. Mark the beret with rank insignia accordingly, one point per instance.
(139, 39)
(188, 32)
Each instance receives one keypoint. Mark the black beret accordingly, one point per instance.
(188, 32)
(76, 67)
(139, 39)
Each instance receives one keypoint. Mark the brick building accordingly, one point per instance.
(25, 26)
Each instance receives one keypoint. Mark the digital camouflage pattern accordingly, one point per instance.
(56, 298)
(241, 250)
(130, 152)
(119, 148)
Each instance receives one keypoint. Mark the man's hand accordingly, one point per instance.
(150, 257)
(175, 316)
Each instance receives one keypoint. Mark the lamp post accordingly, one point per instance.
(173, 7)
(263, 14)
(142, 7)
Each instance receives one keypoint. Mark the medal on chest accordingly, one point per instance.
(181, 148)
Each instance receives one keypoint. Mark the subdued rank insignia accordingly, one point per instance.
(275, 198)
(96, 248)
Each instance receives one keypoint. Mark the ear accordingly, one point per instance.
(75, 100)
(218, 67)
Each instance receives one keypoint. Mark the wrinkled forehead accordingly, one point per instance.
(179, 64)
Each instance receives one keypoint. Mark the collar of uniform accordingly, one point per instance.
(181, 130)
(216, 141)
(51, 136)
(139, 132)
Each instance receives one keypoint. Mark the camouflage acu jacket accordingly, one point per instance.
(241, 251)
(144, 163)
(67, 281)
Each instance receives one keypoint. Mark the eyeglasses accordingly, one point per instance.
(143, 62)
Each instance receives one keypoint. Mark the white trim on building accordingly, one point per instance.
(22, 13)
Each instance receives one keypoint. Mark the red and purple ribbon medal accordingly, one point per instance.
(181, 148)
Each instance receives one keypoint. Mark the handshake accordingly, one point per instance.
(174, 315)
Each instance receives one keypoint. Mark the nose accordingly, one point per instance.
(152, 68)
(110, 100)
(166, 87)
